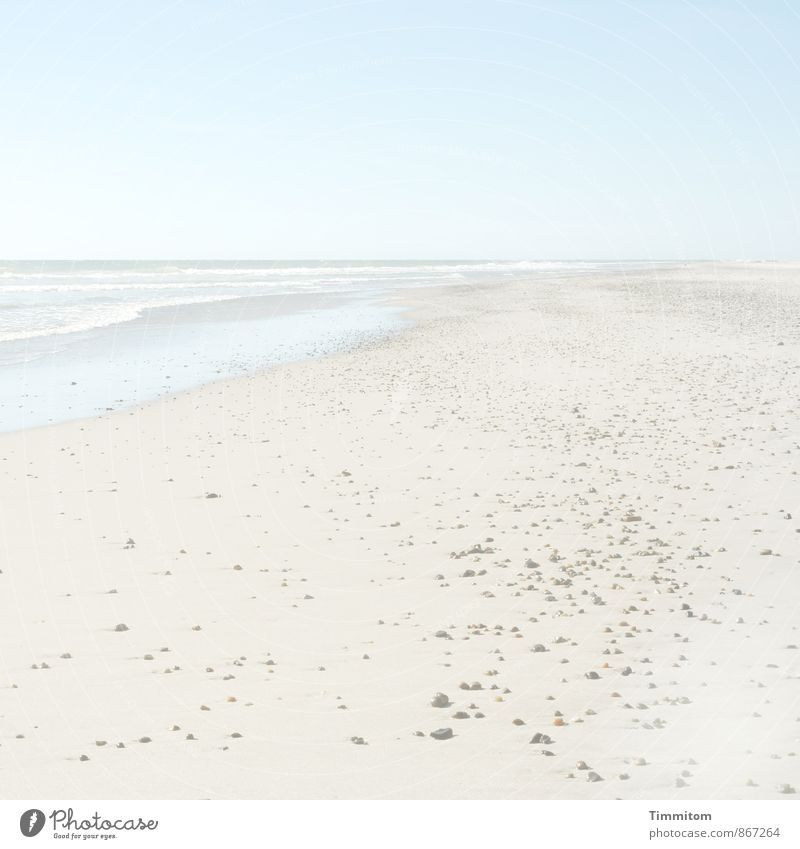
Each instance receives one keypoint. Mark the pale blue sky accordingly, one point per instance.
(400, 129)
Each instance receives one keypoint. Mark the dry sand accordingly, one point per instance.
(570, 507)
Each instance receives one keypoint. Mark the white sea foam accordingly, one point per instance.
(122, 286)
(57, 298)
(104, 316)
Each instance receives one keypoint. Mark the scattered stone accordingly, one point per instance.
(442, 734)
(545, 739)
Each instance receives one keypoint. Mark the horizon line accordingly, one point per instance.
(396, 259)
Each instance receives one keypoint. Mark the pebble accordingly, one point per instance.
(442, 734)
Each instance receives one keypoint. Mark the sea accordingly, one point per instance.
(79, 339)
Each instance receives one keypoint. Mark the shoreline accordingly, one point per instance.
(96, 360)
(271, 334)
(397, 303)
(384, 506)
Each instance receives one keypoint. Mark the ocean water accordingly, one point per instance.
(82, 338)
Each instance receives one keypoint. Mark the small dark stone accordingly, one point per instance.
(538, 737)
(442, 734)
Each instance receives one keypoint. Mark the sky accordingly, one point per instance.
(504, 129)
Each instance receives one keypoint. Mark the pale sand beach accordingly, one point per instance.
(541, 543)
